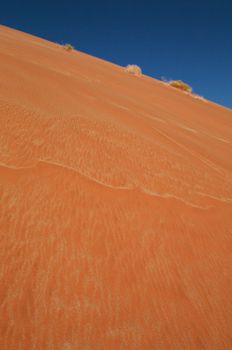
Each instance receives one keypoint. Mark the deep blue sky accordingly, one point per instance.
(187, 40)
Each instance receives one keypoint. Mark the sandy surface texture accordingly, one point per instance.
(115, 207)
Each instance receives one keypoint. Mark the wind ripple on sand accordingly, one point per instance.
(115, 207)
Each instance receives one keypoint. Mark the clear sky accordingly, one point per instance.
(187, 40)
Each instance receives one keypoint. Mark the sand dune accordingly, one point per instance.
(115, 207)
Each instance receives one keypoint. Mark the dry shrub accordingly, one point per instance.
(134, 69)
(68, 47)
(199, 97)
(179, 84)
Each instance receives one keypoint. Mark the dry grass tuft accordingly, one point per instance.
(179, 84)
(134, 69)
(199, 97)
(68, 47)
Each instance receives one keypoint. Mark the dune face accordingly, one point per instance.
(115, 206)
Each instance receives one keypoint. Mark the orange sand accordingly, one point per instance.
(115, 207)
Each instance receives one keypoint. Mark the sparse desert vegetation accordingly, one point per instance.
(68, 47)
(134, 69)
(179, 84)
(199, 97)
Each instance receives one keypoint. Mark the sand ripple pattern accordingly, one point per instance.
(115, 207)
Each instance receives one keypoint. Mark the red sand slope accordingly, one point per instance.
(115, 207)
